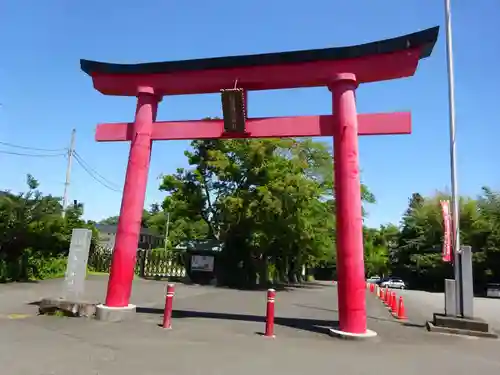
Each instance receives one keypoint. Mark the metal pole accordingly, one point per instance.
(166, 230)
(453, 163)
(68, 172)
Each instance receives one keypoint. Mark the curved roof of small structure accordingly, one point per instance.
(424, 40)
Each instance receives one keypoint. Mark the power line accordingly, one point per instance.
(91, 174)
(31, 155)
(85, 166)
(31, 148)
(76, 155)
(94, 174)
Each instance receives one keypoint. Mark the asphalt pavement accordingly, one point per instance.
(219, 331)
(421, 305)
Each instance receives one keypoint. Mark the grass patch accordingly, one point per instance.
(18, 316)
(57, 313)
(99, 273)
(96, 273)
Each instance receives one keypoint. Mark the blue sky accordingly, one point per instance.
(44, 94)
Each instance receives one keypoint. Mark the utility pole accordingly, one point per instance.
(68, 172)
(166, 230)
(455, 208)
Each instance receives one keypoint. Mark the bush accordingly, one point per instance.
(32, 268)
(34, 235)
(49, 268)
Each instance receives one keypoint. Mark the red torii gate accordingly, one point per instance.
(339, 69)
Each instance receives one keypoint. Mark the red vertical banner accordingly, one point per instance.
(445, 207)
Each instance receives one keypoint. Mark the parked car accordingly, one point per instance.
(393, 283)
(493, 290)
(373, 279)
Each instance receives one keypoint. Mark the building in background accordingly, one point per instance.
(147, 239)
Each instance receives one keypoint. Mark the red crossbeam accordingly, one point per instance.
(266, 127)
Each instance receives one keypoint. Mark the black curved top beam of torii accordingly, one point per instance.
(424, 40)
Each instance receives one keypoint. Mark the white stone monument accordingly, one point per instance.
(76, 271)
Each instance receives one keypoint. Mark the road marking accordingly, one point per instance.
(18, 316)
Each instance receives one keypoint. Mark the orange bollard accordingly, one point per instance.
(401, 310)
(394, 303)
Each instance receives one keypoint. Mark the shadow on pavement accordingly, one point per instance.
(20, 282)
(278, 287)
(310, 325)
(391, 320)
(410, 324)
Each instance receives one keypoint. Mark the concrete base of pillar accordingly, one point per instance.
(114, 314)
(67, 307)
(460, 326)
(369, 334)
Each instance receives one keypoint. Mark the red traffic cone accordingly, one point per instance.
(394, 303)
(387, 299)
(382, 297)
(401, 309)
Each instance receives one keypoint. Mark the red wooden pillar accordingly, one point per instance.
(134, 191)
(350, 261)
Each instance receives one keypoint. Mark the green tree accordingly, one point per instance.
(379, 244)
(34, 237)
(269, 201)
(485, 238)
(418, 254)
(112, 220)
(146, 217)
